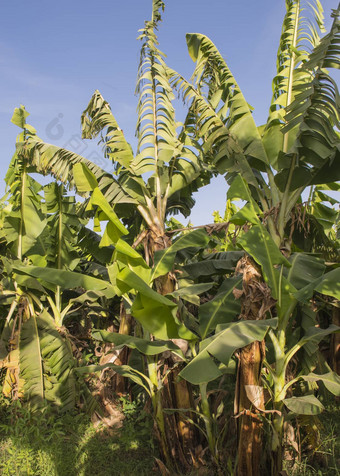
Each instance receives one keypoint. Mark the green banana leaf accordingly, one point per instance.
(328, 284)
(212, 264)
(144, 346)
(306, 405)
(240, 119)
(58, 362)
(46, 363)
(331, 380)
(31, 365)
(191, 293)
(262, 248)
(221, 309)
(164, 259)
(250, 212)
(313, 335)
(155, 312)
(304, 269)
(97, 118)
(203, 369)
(65, 279)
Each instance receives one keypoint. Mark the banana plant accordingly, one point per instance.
(285, 293)
(35, 351)
(159, 316)
(297, 148)
(61, 238)
(285, 395)
(23, 220)
(38, 230)
(147, 186)
(34, 338)
(170, 160)
(132, 279)
(22, 224)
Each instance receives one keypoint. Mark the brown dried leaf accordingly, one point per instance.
(255, 395)
(238, 293)
(163, 469)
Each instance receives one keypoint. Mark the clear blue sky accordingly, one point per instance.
(53, 55)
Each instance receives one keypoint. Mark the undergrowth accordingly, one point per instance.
(45, 444)
(324, 458)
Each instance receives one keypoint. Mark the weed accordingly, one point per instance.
(138, 425)
(325, 458)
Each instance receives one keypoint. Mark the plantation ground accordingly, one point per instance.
(45, 445)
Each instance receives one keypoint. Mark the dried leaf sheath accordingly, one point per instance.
(256, 300)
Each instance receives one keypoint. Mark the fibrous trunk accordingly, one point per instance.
(120, 383)
(250, 426)
(249, 399)
(180, 433)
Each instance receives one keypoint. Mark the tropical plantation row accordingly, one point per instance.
(226, 334)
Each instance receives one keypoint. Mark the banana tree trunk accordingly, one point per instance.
(119, 384)
(176, 394)
(181, 435)
(250, 427)
(249, 397)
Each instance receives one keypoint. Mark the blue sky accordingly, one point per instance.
(53, 55)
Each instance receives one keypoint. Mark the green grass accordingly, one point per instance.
(43, 444)
(324, 458)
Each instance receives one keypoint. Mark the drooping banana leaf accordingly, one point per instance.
(313, 335)
(124, 370)
(65, 279)
(328, 284)
(221, 346)
(60, 382)
(146, 347)
(314, 114)
(155, 312)
(46, 363)
(213, 264)
(59, 162)
(31, 365)
(98, 119)
(331, 380)
(225, 95)
(306, 405)
(228, 155)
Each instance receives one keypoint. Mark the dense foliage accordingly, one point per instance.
(221, 330)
